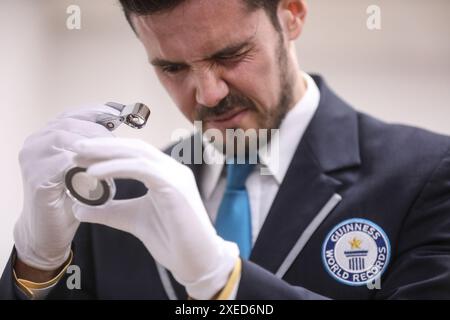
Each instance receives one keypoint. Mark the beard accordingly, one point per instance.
(270, 119)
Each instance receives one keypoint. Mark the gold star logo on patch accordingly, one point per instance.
(355, 243)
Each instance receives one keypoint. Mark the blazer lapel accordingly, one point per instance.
(303, 192)
(330, 143)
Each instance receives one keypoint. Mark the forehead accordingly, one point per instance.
(196, 28)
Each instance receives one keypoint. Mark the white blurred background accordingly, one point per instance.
(400, 73)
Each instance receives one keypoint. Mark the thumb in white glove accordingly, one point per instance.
(170, 219)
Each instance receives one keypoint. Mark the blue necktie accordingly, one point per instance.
(233, 221)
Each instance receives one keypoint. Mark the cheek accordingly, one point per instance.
(257, 79)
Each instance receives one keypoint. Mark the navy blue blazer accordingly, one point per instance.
(362, 213)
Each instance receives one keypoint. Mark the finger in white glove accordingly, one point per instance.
(170, 219)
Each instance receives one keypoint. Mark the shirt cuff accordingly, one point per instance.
(35, 290)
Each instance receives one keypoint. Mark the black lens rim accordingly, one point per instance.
(98, 202)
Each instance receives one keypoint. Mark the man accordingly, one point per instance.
(353, 209)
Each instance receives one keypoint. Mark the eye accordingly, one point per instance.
(173, 69)
(233, 57)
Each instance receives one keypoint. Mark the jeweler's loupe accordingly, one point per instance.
(133, 115)
(88, 189)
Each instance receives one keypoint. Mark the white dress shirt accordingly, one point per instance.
(262, 189)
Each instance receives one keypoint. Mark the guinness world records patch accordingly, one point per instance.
(356, 252)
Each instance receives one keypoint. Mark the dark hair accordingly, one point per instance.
(148, 7)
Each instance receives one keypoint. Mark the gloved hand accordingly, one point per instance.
(170, 219)
(45, 229)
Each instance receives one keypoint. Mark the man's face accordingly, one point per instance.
(220, 63)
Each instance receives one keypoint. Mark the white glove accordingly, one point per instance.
(170, 219)
(46, 226)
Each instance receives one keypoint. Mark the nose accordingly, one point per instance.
(210, 89)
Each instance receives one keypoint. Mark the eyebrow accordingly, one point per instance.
(228, 50)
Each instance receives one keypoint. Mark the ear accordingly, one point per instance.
(292, 15)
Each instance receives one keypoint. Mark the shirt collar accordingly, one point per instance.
(289, 136)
